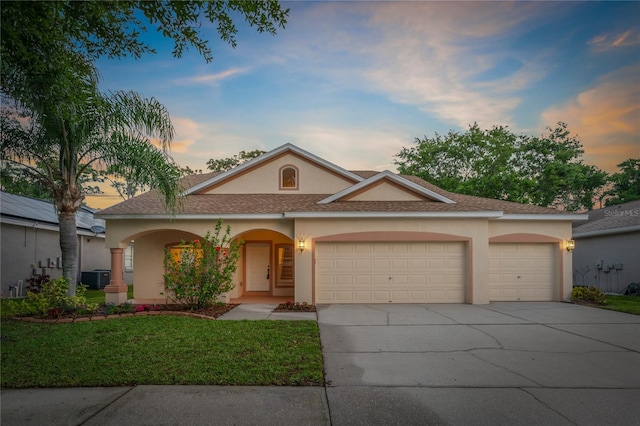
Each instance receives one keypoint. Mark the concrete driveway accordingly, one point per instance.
(503, 363)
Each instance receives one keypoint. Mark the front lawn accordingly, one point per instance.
(160, 350)
(628, 304)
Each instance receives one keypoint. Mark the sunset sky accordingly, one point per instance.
(354, 82)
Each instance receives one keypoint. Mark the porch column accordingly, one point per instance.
(116, 291)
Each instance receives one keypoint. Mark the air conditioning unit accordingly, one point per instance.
(97, 279)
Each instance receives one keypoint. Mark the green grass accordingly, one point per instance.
(160, 350)
(97, 296)
(627, 304)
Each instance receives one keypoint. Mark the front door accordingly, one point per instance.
(258, 265)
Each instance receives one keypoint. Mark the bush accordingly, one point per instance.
(201, 271)
(52, 299)
(588, 294)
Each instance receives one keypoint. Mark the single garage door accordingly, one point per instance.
(390, 272)
(521, 272)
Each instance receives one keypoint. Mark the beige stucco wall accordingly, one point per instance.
(473, 230)
(266, 179)
(152, 236)
(387, 192)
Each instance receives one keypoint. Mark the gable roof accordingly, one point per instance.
(387, 175)
(256, 162)
(19, 210)
(616, 219)
(435, 202)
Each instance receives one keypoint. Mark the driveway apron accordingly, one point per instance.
(503, 363)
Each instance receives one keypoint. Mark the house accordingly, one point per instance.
(31, 242)
(317, 233)
(607, 247)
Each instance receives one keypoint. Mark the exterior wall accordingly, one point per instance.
(23, 250)
(265, 179)
(609, 251)
(387, 192)
(27, 248)
(475, 231)
(152, 236)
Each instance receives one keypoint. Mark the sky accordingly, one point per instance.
(355, 82)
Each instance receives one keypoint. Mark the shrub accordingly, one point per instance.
(52, 298)
(201, 271)
(588, 294)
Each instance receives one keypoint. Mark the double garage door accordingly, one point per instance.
(390, 272)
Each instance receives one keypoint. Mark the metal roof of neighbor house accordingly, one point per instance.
(30, 209)
(614, 219)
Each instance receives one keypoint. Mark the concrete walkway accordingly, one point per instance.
(497, 364)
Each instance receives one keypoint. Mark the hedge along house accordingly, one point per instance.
(314, 232)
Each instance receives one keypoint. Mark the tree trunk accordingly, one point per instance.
(69, 247)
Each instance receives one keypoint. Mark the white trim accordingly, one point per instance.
(571, 217)
(482, 214)
(602, 232)
(393, 177)
(265, 157)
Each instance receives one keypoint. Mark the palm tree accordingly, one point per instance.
(59, 143)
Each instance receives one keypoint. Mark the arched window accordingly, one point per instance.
(288, 177)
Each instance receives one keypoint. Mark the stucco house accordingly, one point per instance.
(607, 247)
(31, 242)
(317, 233)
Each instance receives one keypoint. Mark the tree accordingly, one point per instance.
(229, 163)
(626, 183)
(104, 130)
(60, 124)
(496, 163)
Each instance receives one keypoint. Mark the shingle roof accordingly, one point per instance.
(31, 209)
(212, 204)
(612, 218)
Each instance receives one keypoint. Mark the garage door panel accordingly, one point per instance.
(419, 272)
(521, 272)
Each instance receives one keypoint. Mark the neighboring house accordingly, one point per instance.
(317, 233)
(31, 241)
(607, 252)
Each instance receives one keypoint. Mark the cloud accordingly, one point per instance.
(606, 117)
(211, 79)
(361, 148)
(607, 42)
(439, 57)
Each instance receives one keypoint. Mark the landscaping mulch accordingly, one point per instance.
(295, 307)
(208, 312)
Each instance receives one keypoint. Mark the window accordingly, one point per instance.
(288, 177)
(284, 264)
(128, 258)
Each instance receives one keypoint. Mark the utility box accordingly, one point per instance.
(96, 279)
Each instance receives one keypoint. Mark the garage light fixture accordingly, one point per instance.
(571, 244)
(301, 245)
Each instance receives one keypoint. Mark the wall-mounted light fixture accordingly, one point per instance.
(571, 244)
(301, 245)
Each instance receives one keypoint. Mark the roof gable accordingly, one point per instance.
(386, 186)
(260, 175)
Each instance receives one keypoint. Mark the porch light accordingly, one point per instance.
(301, 245)
(571, 244)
